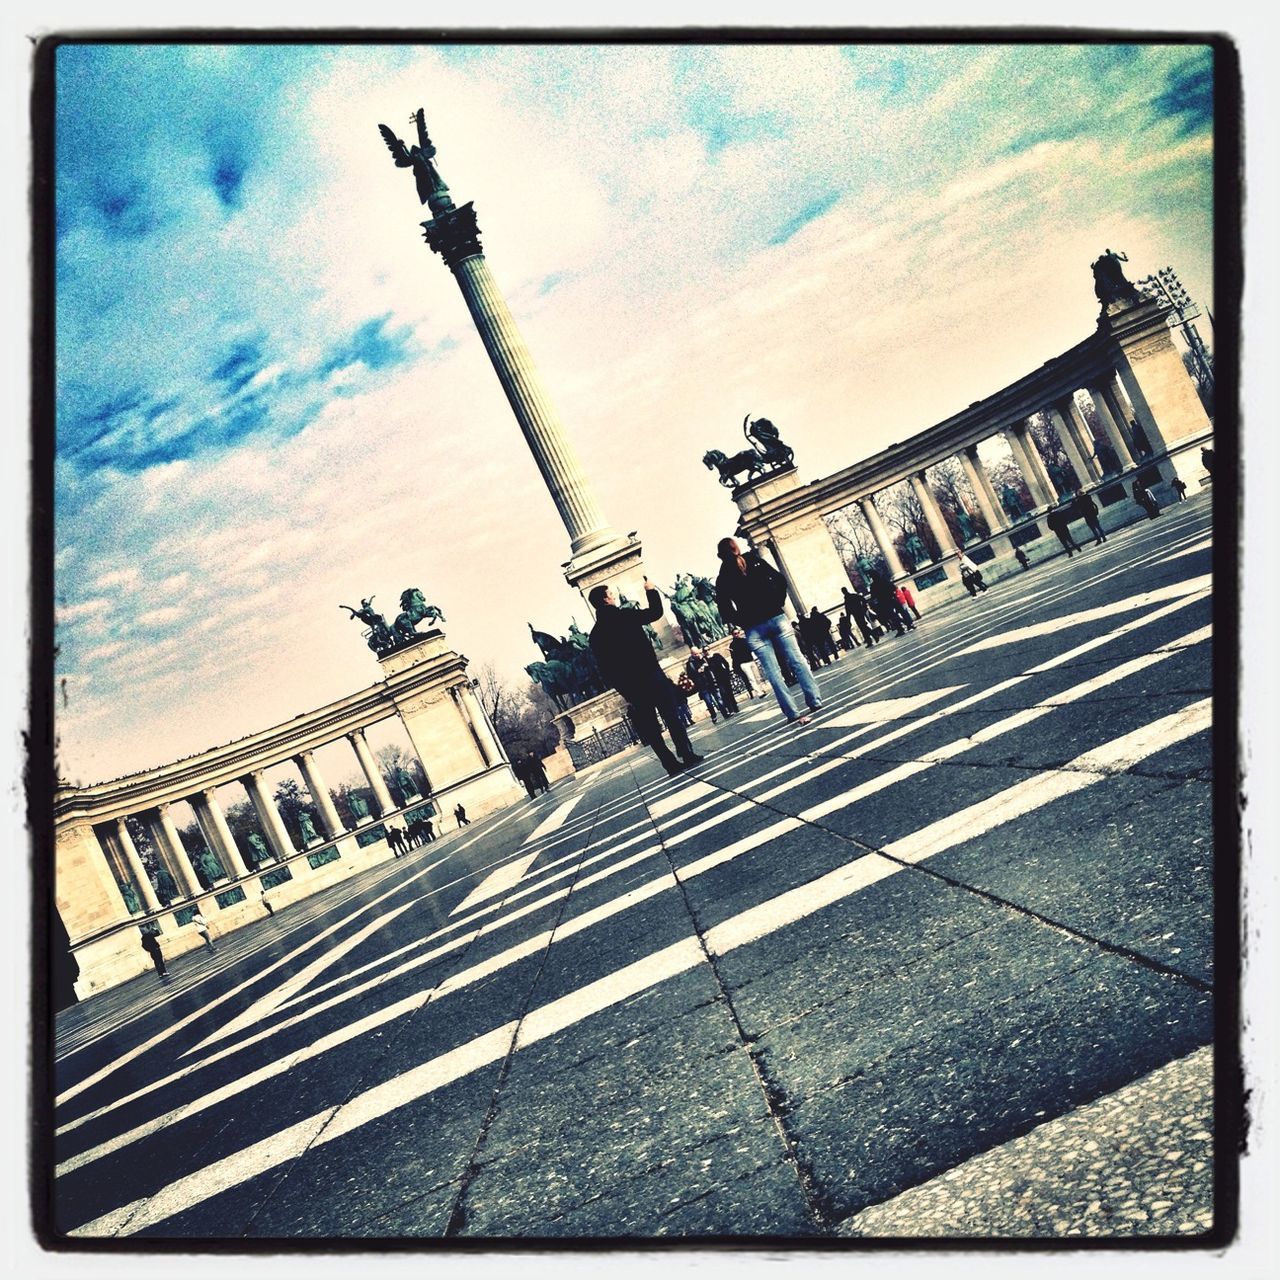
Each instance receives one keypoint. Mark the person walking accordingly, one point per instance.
(906, 598)
(740, 652)
(627, 663)
(266, 902)
(1087, 510)
(970, 575)
(1057, 521)
(855, 604)
(1021, 557)
(1179, 487)
(704, 682)
(718, 666)
(884, 600)
(461, 814)
(202, 928)
(845, 629)
(820, 635)
(151, 945)
(536, 772)
(1145, 499)
(750, 595)
(429, 830)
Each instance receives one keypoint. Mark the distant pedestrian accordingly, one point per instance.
(202, 928)
(884, 600)
(845, 629)
(1087, 510)
(1021, 557)
(266, 902)
(905, 597)
(1057, 521)
(820, 635)
(855, 604)
(970, 575)
(705, 683)
(1179, 487)
(151, 945)
(520, 769)
(722, 674)
(1145, 499)
(461, 814)
(628, 664)
(750, 594)
(740, 653)
(429, 830)
(393, 840)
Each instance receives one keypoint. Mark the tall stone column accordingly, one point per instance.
(1077, 439)
(1110, 428)
(370, 768)
(268, 816)
(329, 820)
(136, 870)
(979, 481)
(1110, 388)
(166, 837)
(484, 726)
(455, 692)
(881, 535)
(1039, 495)
(1029, 447)
(937, 525)
(213, 823)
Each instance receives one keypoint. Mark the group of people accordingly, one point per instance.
(529, 769)
(1083, 508)
(419, 831)
(712, 680)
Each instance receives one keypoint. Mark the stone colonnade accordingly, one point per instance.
(97, 857)
(1147, 412)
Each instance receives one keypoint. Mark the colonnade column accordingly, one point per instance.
(166, 836)
(1082, 437)
(1017, 447)
(1098, 394)
(1057, 416)
(484, 725)
(136, 869)
(1111, 393)
(214, 825)
(988, 503)
(369, 766)
(881, 535)
(329, 820)
(937, 525)
(268, 815)
(1038, 465)
(455, 692)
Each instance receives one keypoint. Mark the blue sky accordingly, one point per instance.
(270, 398)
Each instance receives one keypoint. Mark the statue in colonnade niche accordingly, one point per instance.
(916, 550)
(208, 869)
(405, 783)
(358, 805)
(1109, 283)
(130, 896)
(163, 883)
(1010, 501)
(307, 827)
(968, 530)
(259, 847)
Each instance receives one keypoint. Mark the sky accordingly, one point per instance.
(271, 400)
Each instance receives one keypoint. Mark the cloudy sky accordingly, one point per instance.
(271, 399)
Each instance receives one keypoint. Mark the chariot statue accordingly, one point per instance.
(767, 452)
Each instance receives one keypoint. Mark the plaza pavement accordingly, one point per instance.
(939, 964)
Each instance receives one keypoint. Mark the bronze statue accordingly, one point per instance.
(414, 610)
(378, 636)
(259, 847)
(432, 190)
(1109, 283)
(307, 827)
(768, 452)
(130, 896)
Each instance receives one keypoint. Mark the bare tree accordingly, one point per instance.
(503, 703)
(1044, 437)
(856, 544)
(914, 539)
(955, 497)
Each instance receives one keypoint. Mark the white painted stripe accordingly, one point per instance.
(887, 708)
(1203, 545)
(1127, 605)
(497, 884)
(555, 819)
(693, 789)
(748, 926)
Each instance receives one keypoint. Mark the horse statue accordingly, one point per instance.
(747, 460)
(548, 644)
(378, 637)
(414, 610)
(556, 679)
(705, 590)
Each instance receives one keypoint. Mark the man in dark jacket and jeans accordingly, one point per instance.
(750, 594)
(627, 662)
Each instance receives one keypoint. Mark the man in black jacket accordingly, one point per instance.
(627, 662)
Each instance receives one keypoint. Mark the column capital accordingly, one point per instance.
(454, 235)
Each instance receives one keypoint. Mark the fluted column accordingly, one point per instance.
(988, 503)
(1039, 496)
(329, 820)
(369, 766)
(1076, 435)
(268, 816)
(1098, 394)
(136, 870)
(1110, 388)
(881, 535)
(937, 525)
(166, 836)
(213, 823)
(454, 234)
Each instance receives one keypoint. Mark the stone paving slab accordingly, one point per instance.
(1138, 1163)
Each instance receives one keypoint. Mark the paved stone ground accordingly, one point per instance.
(764, 1000)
